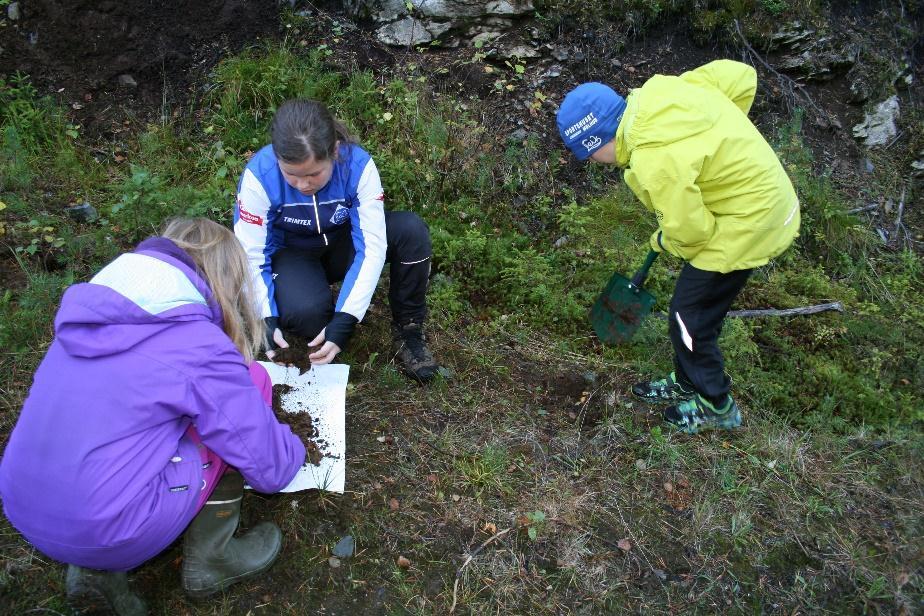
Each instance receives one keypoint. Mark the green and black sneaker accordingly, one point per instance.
(697, 414)
(666, 389)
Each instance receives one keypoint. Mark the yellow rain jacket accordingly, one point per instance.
(721, 196)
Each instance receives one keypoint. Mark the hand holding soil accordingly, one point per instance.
(326, 353)
(297, 354)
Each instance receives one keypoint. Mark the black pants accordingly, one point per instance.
(697, 311)
(303, 277)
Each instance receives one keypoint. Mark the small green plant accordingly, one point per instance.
(775, 7)
(534, 522)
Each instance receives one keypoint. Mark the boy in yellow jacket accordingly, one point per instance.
(722, 200)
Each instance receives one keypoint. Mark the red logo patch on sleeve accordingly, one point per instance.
(247, 216)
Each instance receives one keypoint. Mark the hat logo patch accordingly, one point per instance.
(592, 143)
(581, 125)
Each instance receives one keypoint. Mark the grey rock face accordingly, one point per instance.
(879, 127)
(83, 212)
(810, 55)
(13, 11)
(345, 547)
(410, 31)
(127, 81)
(859, 90)
(418, 22)
(917, 166)
(518, 52)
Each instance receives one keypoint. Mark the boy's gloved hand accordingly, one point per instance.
(272, 336)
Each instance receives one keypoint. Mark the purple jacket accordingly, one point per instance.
(98, 471)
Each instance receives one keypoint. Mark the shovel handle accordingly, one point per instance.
(639, 279)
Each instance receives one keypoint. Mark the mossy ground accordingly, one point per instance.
(814, 505)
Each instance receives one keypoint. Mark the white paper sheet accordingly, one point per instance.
(321, 392)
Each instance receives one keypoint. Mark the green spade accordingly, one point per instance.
(623, 305)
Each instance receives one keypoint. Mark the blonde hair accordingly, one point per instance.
(222, 262)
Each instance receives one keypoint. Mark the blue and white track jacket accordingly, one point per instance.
(270, 215)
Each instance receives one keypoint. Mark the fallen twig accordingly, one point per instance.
(455, 587)
(896, 234)
(778, 312)
(865, 208)
(900, 134)
(786, 312)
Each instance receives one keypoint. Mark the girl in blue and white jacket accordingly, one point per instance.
(310, 212)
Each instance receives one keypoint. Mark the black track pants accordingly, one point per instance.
(697, 311)
(303, 277)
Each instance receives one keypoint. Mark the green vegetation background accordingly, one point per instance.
(496, 209)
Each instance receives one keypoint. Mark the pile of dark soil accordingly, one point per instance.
(302, 425)
(108, 60)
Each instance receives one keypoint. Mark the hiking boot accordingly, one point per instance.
(410, 347)
(664, 389)
(697, 414)
(89, 590)
(213, 558)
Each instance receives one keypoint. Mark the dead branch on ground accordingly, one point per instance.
(779, 312)
(900, 228)
(455, 588)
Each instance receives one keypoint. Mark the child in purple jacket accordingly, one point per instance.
(145, 418)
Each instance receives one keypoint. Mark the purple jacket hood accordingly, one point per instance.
(91, 324)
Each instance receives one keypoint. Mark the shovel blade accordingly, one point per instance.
(620, 310)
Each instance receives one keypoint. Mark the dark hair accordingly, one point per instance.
(304, 129)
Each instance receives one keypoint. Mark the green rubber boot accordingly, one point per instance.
(213, 558)
(89, 590)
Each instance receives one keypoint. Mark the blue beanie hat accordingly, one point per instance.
(588, 118)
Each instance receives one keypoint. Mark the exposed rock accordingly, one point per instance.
(344, 547)
(811, 56)
(917, 166)
(484, 38)
(489, 25)
(518, 52)
(905, 77)
(554, 71)
(410, 31)
(13, 11)
(519, 134)
(879, 127)
(560, 54)
(127, 81)
(417, 22)
(791, 35)
(385, 10)
(82, 213)
(859, 90)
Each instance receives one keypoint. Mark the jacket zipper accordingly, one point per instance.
(317, 218)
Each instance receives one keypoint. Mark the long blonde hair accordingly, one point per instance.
(222, 261)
